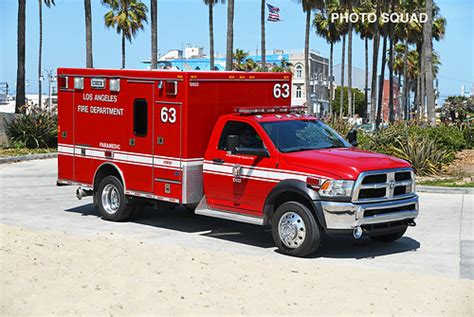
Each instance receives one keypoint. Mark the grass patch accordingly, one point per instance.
(447, 182)
(6, 152)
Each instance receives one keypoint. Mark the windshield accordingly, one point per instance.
(302, 135)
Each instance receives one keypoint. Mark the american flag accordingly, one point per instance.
(273, 13)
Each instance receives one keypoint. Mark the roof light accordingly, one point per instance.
(79, 83)
(114, 84)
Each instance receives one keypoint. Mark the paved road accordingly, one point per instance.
(441, 244)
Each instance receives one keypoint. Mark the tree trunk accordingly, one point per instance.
(422, 86)
(366, 90)
(417, 97)
(331, 77)
(343, 66)
(381, 81)
(123, 51)
(307, 61)
(40, 50)
(88, 16)
(391, 117)
(230, 35)
(428, 58)
(390, 71)
(154, 34)
(20, 71)
(349, 67)
(262, 32)
(405, 82)
(211, 35)
(375, 57)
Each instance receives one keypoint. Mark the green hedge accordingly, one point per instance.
(428, 149)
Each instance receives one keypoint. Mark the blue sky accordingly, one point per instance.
(186, 21)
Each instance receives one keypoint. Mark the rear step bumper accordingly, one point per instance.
(340, 215)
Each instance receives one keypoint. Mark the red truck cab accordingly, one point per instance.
(227, 145)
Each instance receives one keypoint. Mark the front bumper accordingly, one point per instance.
(345, 215)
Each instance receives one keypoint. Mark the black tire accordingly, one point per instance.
(389, 237)
(112, 202)
(303, 231)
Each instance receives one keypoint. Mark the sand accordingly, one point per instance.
(51, 272)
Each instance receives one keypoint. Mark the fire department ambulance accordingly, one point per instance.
(227, 145)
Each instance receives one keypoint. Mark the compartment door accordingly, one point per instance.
(167, 150)
(139, 170)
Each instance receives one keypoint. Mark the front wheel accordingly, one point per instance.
(389, 237)
(295, 230)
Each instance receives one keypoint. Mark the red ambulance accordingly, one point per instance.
(226, 145)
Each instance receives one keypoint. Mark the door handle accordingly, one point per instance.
(218, 161)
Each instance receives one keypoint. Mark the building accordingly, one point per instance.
(193, 58)
(358, 81)
(397, 111)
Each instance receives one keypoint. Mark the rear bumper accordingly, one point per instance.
(342, 215)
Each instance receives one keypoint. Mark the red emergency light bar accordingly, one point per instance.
(260, 110)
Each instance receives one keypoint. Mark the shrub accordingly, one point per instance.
(422, 152)
(342, 127)
(36, 128)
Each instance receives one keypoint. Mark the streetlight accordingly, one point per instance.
(51, 77)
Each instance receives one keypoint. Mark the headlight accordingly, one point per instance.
(336, 188)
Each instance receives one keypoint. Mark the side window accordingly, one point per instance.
(140, 117)
(248, 137)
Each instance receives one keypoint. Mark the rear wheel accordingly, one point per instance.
(111, 200)
(295, 230)
(389, 237)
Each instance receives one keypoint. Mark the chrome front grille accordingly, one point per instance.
(384, 185)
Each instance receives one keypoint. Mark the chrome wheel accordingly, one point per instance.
(291, 229)
(110, 199)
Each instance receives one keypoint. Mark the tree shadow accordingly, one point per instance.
(178, 219)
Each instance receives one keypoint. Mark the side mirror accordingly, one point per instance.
(252, 151)
(232, 141)
(352, 137)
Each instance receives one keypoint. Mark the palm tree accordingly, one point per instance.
(428, 61)
(308, 6)
(210, 5)
(283, 67)
(347, 5)
(240, 57)
(393, 40)
(154, 33)
(20, 70)
(88, 17)
(262, 34)
(375, 56)
(127, 17)
(343, 66)
(384, 33)
(365, 30)
(230, 35)
(330, 32)
(48, 3)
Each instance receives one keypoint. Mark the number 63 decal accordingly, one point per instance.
(168, 115)
(281, 91)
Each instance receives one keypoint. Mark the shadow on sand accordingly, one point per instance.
(331, 247)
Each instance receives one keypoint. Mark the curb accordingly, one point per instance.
(444, 190)
(21, 158)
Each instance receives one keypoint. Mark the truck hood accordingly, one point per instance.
(343, 163)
